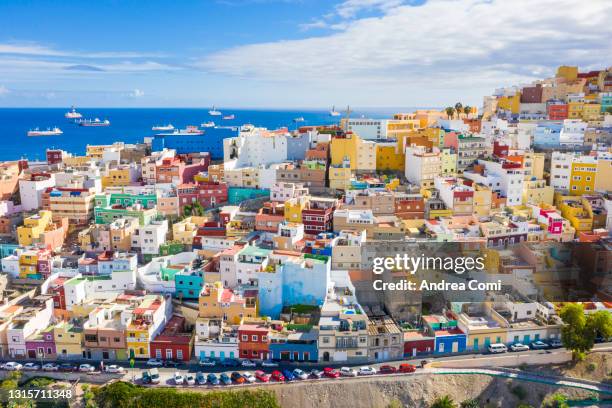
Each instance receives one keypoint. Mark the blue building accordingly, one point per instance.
(236, 195)
(188, 284)
(451, 340)
(211, 141)
(296, 346)
(548, 135)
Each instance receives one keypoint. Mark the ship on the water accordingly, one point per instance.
(164, 128)
(214, 112)
(189, 130)
(73, 114)
(49, 132)
(334, 112)
(94, 123)
(209, 124)
(229, 117)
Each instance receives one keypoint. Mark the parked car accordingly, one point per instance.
(248, 363)
(238, 378)
(269, 363)
(67, 367)
(288, 375)
(497, 348)
(367, 370)
(556, 343)
(387, 369)
(539, 345)
(172, 363)
(277, 376)
(87, 368)
(146, 377)
(261, 376)
(406, 368)
(230, 362)
(348, 372)
(250, 378)
(178, 378)
(519, 347)
(207, 362)
(316, 373)
(331, 372)
(225, 379)
(114, 369)
(12, 366)
(200, 378)
(154, 375)
(31, 367)
(190, 379)
(50, 367)
(297, 373)
(155, 362)
(212, 379)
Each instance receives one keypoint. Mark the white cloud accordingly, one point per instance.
(4, 90)
(137, 93)
(442, 43)
(30, 48)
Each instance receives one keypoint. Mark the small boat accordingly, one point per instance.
(49, 132)
(229, 117)
(300, 119)
(73, 114)
(207, 124)
(214, 112)
(333, 112)
(165, 128)
(94, 123)
(193, 130)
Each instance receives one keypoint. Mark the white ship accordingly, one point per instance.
(229, 117)
(333, 112)
(165, 128)
(73, 114)
(207, 124)
(214, 112)
(49, 132)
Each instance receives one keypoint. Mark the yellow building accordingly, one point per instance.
(582, 176)
(34, 228)
(293, 209)
(345, 149)
(68, 339)
(184, 231)
(533, 163)
(591, 111)
(482, 200)
(603, 179)
(574, 210)
(567, 72)
(574, 110)
(510, 103)
(147, 319)
(28, 261)
(217, 302)
(449, 163)
(340, 177)
(388, 157)
(119, 177)
(537, 192)
(76, 161)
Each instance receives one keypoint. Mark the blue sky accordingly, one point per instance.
(289, 53)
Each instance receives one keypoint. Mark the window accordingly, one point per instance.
(245, 337)
(254, 337)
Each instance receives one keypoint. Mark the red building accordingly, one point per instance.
(474, 124)
(417, 343)
(318, 215)
(55, 156)
(254, 341)
(270, 216)
(410, 207)
(557, 111)
(174, 342)
(209, 229)
(56, 289)
(532, 94)
(181, 169)
(207, 194)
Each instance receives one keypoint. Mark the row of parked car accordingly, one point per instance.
(277, 375)
(63, 367)
(536, 345)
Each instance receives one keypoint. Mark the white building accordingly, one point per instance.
(561, 170)
(422, 165)
(31, 190)
(285, 191)
(511, 178)
(148, 238)
(254, 147)
(572, 133)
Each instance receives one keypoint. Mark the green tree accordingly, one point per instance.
(187, 210)
(470, 403)
(600, 324)
(467, 109)
(609, 109)
(574, 334)
(444, 402)
(555, 401)
(458, 109)
(450, 112)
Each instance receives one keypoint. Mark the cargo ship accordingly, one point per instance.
(165, 128)
(73, 114)
(49, 132)
(94, 123)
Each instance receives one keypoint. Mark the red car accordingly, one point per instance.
(277, 376)
(331, 372)
(407, 368)
(261, 376)
(387, 369)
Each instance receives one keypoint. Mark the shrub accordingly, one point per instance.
(519, 392)
(591, 367)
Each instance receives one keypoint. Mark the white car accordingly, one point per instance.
(300, 374)
(190, 379)
(207, 362)
(50, 367)
(114, 369)
(87, 368)
(248, 363)
(519, 347)
(13, 366)
(269, 363)
(367, 370)
(348, 372)
(31, 367)
(155, 362)
(178, 378)
(250, 378)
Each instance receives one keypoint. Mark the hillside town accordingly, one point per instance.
(158, 250)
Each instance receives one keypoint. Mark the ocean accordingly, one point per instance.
(132, 125)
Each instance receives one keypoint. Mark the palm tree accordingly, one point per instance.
(467, 109)
(450, 111)
(459, 108)
(444, 402)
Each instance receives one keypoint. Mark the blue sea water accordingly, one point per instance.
(132, 125)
